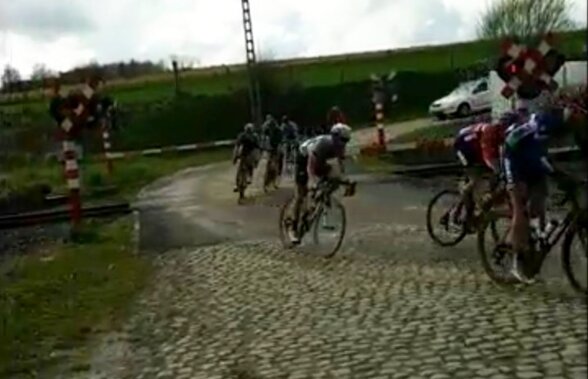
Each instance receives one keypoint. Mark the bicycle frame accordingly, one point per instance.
(319, 199)
(547, 243)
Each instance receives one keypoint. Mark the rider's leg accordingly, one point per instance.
(301, 178)
(237, 173)
(518, 234)
(538, 192)
(466, 186)
(250, 166)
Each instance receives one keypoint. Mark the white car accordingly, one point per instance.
(470, 97)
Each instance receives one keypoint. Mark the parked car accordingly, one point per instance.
(468, 98)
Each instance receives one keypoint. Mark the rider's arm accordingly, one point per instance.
(311, 166)
(237, 149)
(491, 154)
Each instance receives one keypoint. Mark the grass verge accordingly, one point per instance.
(55, 299)
(128, 175)
(433, 132)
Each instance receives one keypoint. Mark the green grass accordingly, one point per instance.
(58, 298)
(128, 175)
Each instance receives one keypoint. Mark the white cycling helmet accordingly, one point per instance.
(342, 131)
(249, 127)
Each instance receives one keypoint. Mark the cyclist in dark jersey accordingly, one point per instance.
(246, 146)
(274, 138)
(291, 138)
(527, 168)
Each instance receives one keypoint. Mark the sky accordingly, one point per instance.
(65, 33)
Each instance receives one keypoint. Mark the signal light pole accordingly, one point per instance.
(254, 96)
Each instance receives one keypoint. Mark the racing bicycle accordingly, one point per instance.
(290, 153)
(272, 170)
(316, 214)
(461, 217)
(573, 228)
(243, 173)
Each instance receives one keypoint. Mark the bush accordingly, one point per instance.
(190, 118)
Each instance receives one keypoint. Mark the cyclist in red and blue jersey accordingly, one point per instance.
(478, 149)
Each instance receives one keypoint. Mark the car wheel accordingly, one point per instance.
(463, 110)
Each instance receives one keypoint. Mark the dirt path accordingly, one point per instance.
(369, 135)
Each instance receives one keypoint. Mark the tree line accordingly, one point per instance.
(526, 20)
(12, 81)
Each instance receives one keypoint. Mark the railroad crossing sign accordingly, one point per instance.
(529, 71)
(383, 85)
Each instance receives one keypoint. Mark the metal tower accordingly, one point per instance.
(254, 97)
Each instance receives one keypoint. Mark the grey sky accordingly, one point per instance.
(65, 33)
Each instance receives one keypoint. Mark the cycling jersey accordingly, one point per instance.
(335, 117)
(290, 131)
(479, 144)
(526, 152)
(273, 134)
(323, 147)
(248, 143)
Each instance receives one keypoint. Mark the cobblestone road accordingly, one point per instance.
(251, 310)
(390, 305)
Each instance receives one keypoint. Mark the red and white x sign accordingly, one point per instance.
(534, 64)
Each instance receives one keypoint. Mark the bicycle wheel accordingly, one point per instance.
(328, 229)
(270, 173)
(241, 183)
(286, 222)
(495, 255)
(576, 272)
(452, 199)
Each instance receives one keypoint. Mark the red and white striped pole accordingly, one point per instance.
(72, 174)
(106, 144)
(380, 124)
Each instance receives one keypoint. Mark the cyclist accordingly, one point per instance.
(245, 149)
(269, 122)
(290, 134)
(273, 142)
(335, 116)
(313, 164)
(526, 169)
(478, 149)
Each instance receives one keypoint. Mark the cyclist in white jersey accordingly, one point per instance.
(312, 164)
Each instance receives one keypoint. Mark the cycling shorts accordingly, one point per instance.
(301, 173)
(525, 162)
(468, 151)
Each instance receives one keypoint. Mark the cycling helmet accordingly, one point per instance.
(509, 118)
(552, 122)
(249, 127)
(341, 131)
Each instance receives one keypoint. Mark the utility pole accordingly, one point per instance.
(176, 75)
(254, 97)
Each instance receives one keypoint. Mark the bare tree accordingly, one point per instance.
(10, 77)
(40, 72)
(525, 19)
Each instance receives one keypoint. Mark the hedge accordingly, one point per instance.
(188, 118)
